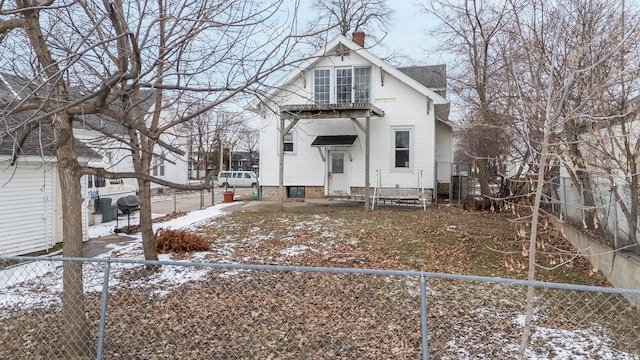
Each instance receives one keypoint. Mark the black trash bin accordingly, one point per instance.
(106, 209)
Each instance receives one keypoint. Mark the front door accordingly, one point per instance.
(338, 174)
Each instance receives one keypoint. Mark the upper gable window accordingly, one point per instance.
(99, 181)
(361, 84)
(343, 85)
(349, 84)
(322, 86)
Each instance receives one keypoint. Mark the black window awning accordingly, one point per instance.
(340, 140)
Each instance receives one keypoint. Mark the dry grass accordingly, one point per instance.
(285, 315)
(442, 239)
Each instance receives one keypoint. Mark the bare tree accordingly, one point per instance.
(552, 62)
(183, 71)
(212, 133)
(613, 145)
(89, 57)
(205, 141)
(53, 106)
(473, 31)
(539, 70)
(346, 16)
(250, 138)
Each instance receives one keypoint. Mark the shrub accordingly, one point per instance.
(179, 241)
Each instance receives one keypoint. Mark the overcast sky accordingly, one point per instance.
(407, 33)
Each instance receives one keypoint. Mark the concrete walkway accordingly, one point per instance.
(104, 244)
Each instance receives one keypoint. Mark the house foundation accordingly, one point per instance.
(357, 193)
(298, 192)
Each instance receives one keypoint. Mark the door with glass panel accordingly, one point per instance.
(338, 177)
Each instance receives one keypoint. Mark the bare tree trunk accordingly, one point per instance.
(582, 181)
(483, 179)
(588, 201)
(531, 274)
(630, 211)
(633, 224)
(76, 329)
(142, 150)
(221, 160)
(146, 223)
(143, 155)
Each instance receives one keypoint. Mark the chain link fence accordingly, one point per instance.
(456, 183)
(131, 309)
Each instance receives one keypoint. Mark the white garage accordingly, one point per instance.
(30, 210)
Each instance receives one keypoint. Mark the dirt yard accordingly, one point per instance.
(196, 312)
(442, 239)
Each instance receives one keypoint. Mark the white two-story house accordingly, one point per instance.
(345, 119)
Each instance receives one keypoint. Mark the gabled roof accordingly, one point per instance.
(432, 76)
(351, 46)
(108, 125)
(36, 141)
(36, 137)
(16, 87)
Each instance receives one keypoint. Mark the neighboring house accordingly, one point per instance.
(201, 163)
(347, 111)
(167, 165)
(30, 205)
(610, 148)
(243, 160)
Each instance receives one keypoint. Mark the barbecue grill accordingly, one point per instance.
(128, 204)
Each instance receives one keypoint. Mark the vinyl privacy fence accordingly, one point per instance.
(188, 310)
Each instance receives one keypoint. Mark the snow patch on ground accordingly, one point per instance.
(295, 250)
(39, 284)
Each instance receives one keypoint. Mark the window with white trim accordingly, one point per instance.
(288, 142)
(402, 148)
(99, 181)
(352, 84)
(322, 86)
(158, 165)
(361, 84)
(344, 85)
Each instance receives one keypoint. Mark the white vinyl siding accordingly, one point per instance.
(403, 106)
(26, 209)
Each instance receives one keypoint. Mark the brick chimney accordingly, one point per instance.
(358, 38)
